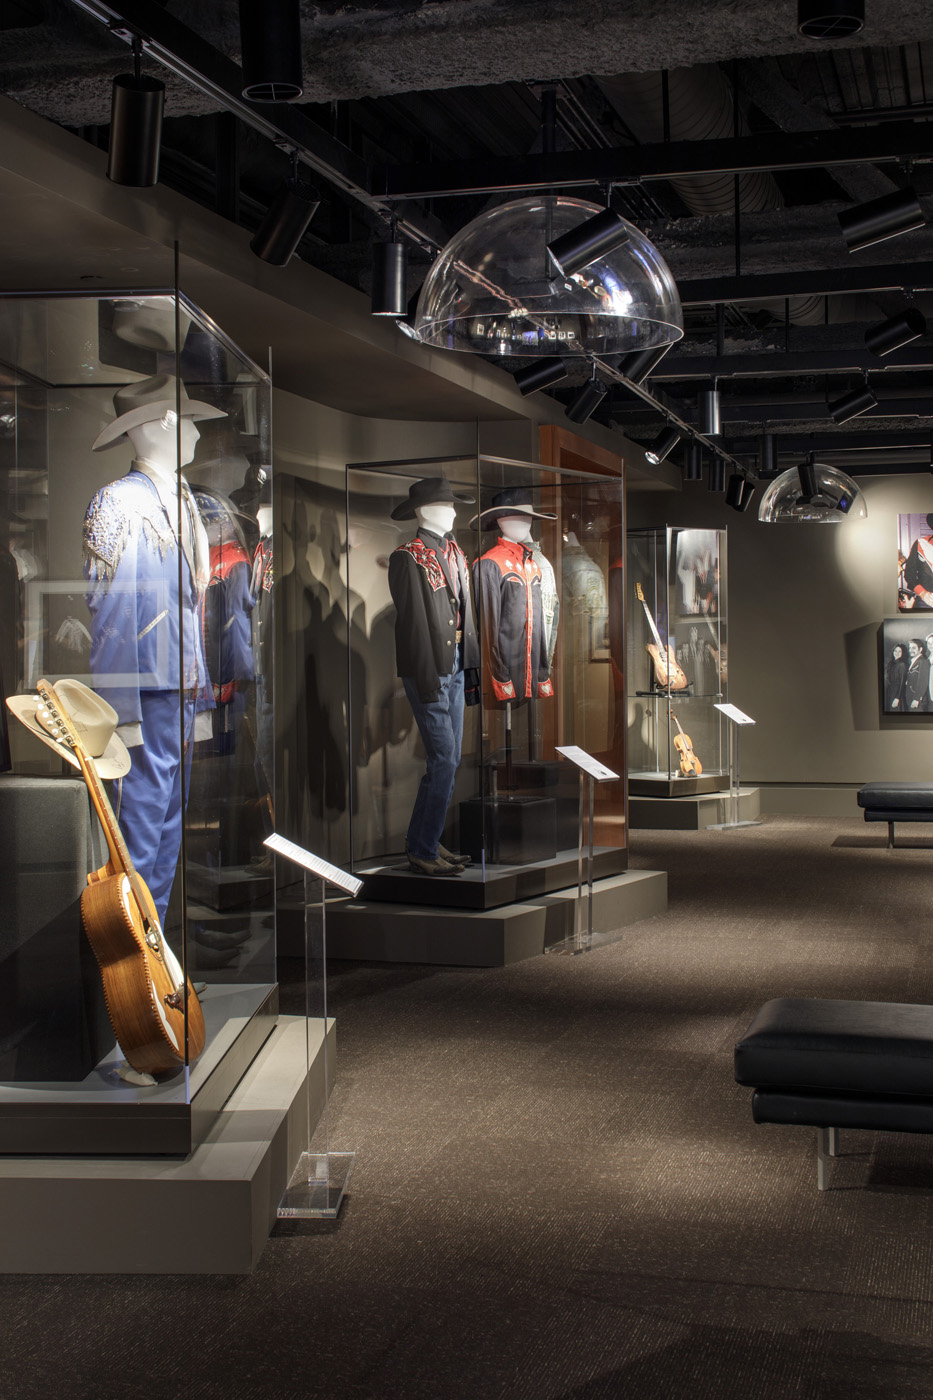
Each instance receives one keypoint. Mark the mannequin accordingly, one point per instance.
(152, 676)
(508, 582)
(436, 652)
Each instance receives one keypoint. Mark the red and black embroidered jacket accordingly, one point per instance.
(430, 586)
(507, 580)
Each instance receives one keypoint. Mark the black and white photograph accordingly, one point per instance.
(907, 666)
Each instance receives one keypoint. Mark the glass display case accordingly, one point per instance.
(137, 968)
(676, 660)
(506, 589)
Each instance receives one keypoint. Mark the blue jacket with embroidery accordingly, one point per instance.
(131, 564)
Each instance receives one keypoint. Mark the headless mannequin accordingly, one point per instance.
(437, 517)
(516, 528)
(264, 520)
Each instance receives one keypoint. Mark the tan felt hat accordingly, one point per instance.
(146, 401)
(93, 720)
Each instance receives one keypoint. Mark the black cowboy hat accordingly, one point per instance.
(432, 490)
(513, 500)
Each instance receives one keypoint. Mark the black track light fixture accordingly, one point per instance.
(586, 402)
(830, 19)
(767, 455)
(406, 323)
(693, 465)
(748, 494)
(882, 218)
(638, 366)
(662, 447)
(734, 490)
(806, 473)
(716, 480)
(136, 105)
(896, 331)
(851, 405)
(540, 374)
(709, 412)
(390, 276)
(286, 220)
(270, 42)
(597, 237)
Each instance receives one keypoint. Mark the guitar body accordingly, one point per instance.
(668, 672)
(690, 765)
(145, 1010)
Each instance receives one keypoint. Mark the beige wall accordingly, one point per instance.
(805, 607)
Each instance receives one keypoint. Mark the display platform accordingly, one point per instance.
(210, 1214)
(691, 813)
(483, 887)
(676, 785)
(366, 931)
(103, 1114)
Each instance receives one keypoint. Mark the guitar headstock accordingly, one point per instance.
(639, 594)
(53, 717)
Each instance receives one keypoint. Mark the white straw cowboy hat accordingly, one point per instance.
(93, 720)
(146, 402)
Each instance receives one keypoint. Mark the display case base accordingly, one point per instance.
(514, 830)
(366, 931)
(102, 1114)
(482, 886)
(210, 1214)
(665, 785)
(697, 813)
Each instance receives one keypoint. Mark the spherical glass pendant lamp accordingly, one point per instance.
(497, 290)
(812, 493)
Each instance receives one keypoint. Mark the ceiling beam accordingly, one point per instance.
(766, 364)
(778, 286)
(735, 411)
(670, 160)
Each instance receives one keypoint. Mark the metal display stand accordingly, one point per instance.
(591, 773)
(737, 719)
(320, 1179)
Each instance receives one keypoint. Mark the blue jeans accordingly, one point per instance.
(440, 724)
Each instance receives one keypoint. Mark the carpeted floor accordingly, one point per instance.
(559, 1193)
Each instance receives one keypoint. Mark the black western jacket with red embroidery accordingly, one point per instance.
(431, 593)
(507, 580)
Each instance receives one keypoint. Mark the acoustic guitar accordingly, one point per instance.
(667, 671)
(145, 991)
(690, 765)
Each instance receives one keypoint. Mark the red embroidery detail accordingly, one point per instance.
(426, 559)
(545, 688)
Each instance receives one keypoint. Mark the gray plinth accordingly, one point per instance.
(368, 931)
(694, 813)
(103, 1216)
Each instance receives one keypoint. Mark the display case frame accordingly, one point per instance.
(676, 660)
(79, 371)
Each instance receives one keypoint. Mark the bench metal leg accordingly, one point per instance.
(827, 1145)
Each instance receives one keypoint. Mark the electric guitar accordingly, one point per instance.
(667, 672)
(720, 653)
(144, 988)
(690, 765)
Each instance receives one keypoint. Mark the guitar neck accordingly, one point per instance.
(654, 631)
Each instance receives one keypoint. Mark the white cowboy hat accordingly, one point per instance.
(93, 720)
(146, 401)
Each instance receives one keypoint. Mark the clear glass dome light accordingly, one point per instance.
(495, 289)
(835, 498)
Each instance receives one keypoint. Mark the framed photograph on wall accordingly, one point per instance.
(915, 563)
(907, 666)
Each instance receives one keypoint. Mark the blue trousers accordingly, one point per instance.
(150, 811)
(440, 724)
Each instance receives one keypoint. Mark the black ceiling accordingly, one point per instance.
(730, 140)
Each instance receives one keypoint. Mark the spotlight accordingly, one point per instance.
(748, 494)
(406, 323)
(851, 405)
(717, 475)
(880, 219)
(662, 446)
(587, 401)
(285, 222)
(270, 41)
(693, 469)
(734, 490)
(896, 331)
(390, 271)
(806, 474)
(135, 129)
(709, 413)
(830, 19)
(638, 367)
(541, 374)
(767, 455)
(599, 236)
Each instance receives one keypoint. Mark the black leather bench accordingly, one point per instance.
(839, 1064)
(896, 802)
